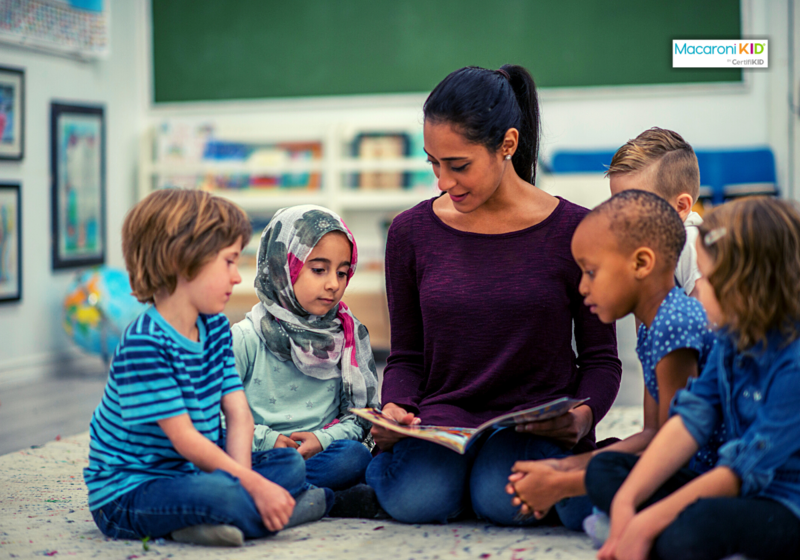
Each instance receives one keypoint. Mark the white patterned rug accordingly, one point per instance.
(43, 512)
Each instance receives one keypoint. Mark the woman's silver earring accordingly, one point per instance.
(508, 156)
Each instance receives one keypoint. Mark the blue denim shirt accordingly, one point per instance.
(757, 394)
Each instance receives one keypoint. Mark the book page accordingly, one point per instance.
(458, 439)
(450, 437)
(538, 413)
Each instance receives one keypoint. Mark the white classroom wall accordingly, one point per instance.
(31, 339)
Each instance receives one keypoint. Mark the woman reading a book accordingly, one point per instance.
(483, 296)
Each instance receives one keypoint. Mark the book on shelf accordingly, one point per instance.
(378, 145)
(459, 439)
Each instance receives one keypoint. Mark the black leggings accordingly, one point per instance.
(710, 528)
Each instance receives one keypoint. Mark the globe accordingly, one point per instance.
(98, 308)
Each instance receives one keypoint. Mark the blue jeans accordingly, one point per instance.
(339, 466)
(708, 528)
(422, 482)
(161, 506)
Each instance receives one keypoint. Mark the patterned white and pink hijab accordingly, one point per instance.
(321, 346)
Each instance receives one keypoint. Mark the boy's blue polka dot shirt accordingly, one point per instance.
(680, 322)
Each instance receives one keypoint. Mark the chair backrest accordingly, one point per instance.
(573, 161)
(732, 172)
(722, 172)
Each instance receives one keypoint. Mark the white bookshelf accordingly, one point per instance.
(332, 167)
(366, 211)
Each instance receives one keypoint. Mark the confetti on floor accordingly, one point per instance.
(43, 512)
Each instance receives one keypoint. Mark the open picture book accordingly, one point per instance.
(458, 439)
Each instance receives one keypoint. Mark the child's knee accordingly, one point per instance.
(685, 536)
(219, 487)
(422, 505)
(283, 466)
(418, 492)
(489, 498)
(493, 504)
(285, 457)
(605, 473)
(356, 454)
(107, 519)
(572, 512)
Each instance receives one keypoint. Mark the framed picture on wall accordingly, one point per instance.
(10, 243)
(12, 112)
(78, 169)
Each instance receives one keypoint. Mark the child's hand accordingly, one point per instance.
(569, 428)
(516, 501)
(309, 445)
(385, 439)
(284, 441)
(636, 540)
(535, 486)
(274, 503)
(621, 515)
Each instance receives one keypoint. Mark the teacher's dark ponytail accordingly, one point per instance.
(483, 104)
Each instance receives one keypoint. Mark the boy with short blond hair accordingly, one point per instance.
(662, 162)
(155, 466)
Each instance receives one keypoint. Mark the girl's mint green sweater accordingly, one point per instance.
(284, 400)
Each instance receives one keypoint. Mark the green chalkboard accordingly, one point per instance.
(249, 49)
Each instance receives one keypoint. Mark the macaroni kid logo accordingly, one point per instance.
(731, 53)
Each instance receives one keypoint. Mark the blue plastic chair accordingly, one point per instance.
(580, 162)
(721, 171)
(724, 170)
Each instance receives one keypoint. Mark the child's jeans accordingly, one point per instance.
(710, 528)
(161, 506)
(341, 465)
(422, 482)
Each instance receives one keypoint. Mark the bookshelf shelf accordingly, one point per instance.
(252, 172)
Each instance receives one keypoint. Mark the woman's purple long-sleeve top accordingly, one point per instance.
(482, 324)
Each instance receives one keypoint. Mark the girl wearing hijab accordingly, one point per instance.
(303, 358)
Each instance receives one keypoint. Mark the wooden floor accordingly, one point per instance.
(37, 412)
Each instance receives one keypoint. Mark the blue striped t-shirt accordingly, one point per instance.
(157, 373)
